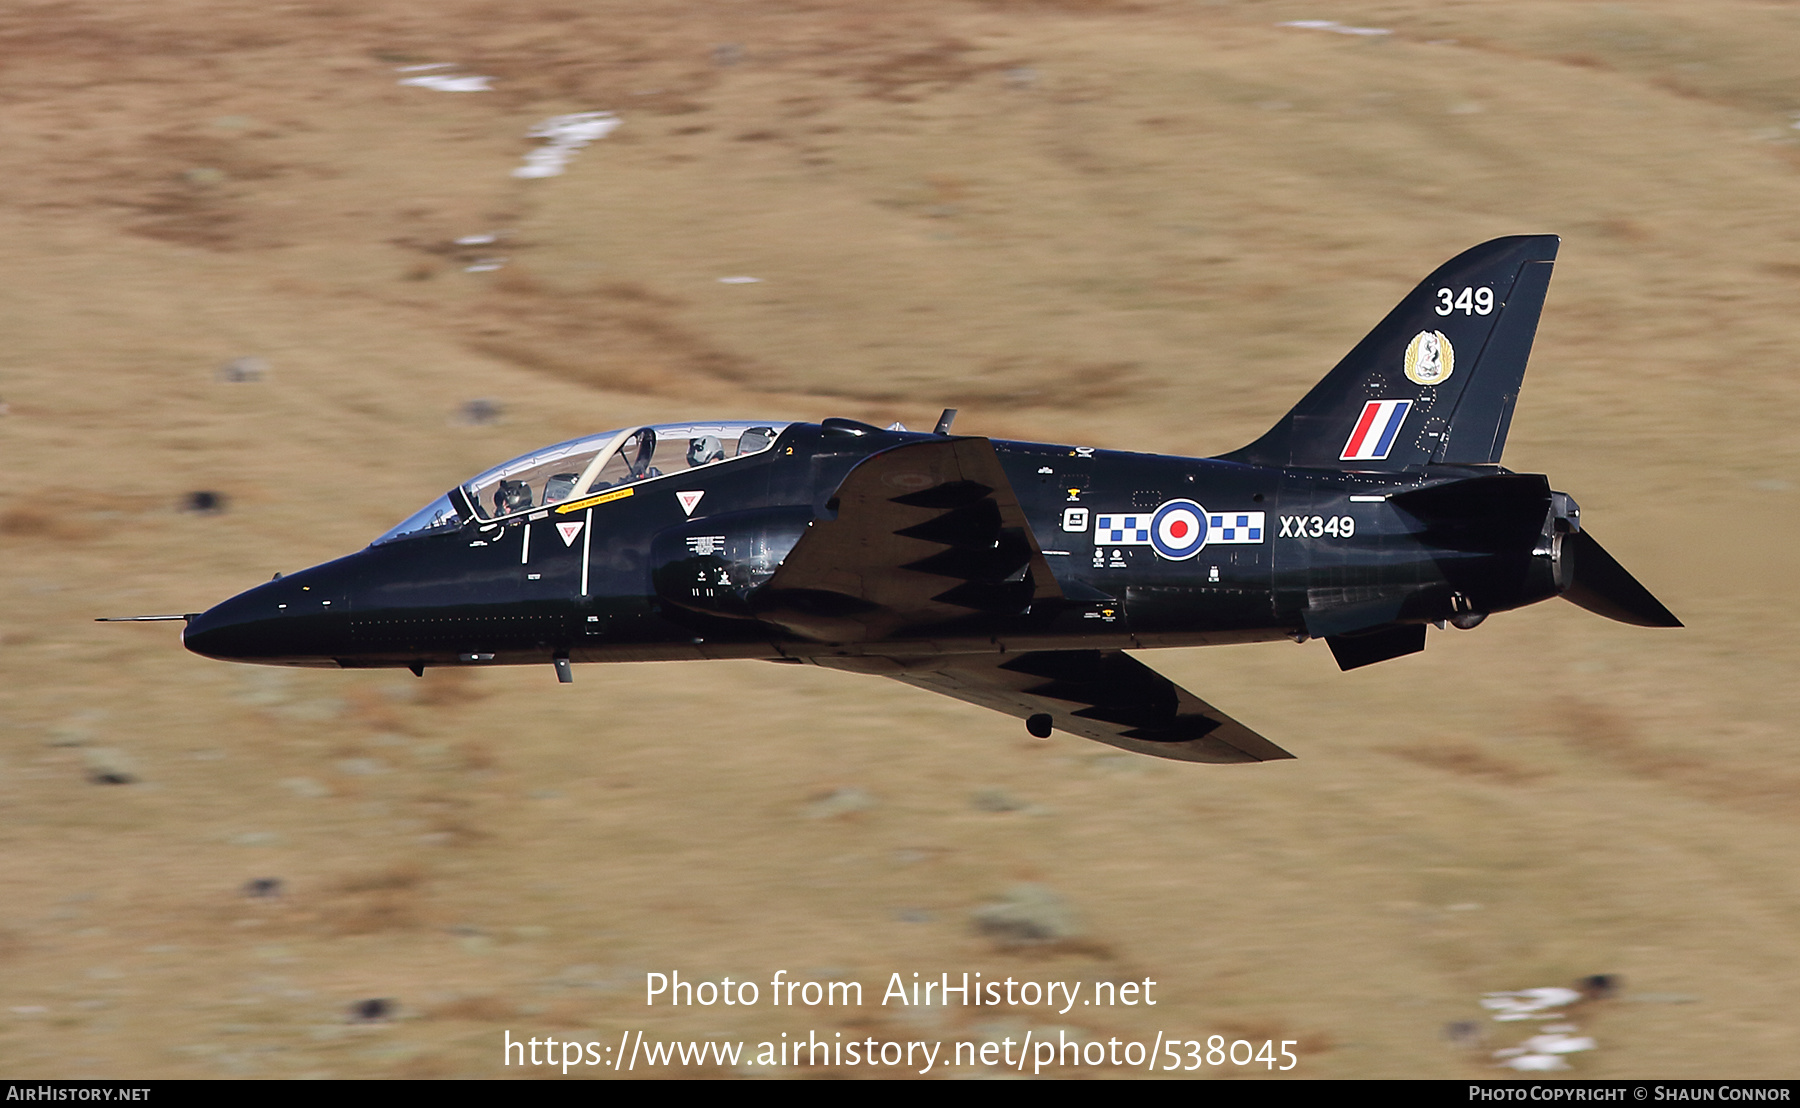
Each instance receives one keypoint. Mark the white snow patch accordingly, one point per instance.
(565, 134)
(449, 82)
(1334, 27)
(1545, 1050)
(1536, 1062)
(1558, 1044)
(1528, 1003)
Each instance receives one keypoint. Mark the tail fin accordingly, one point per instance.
(1434, 382)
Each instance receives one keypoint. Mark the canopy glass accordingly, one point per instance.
(568, 470)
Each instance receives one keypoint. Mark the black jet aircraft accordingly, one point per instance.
(1014, 575)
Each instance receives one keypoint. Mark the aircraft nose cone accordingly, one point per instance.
(295, 620)
(239, 629)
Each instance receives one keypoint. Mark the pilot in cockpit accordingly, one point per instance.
(512, 496)
(705, 450)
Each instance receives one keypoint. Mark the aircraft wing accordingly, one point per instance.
(925, 534)
(1104, 695)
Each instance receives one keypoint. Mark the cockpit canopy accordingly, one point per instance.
(569, 470)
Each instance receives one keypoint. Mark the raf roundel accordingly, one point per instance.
(1178, 530)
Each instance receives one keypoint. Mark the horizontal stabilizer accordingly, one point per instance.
(1600, 584)
(1104, 695)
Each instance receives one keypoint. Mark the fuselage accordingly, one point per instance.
(1010, 575)
(1146, 550)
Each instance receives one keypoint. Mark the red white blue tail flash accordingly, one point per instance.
(1376, 430)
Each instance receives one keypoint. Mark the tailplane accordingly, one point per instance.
(1434, 382)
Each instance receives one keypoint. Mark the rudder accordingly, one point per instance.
(1435, 381)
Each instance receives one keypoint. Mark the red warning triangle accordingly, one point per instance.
(568, 529)
(689, 500)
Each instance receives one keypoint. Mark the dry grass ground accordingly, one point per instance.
(1148, 225)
